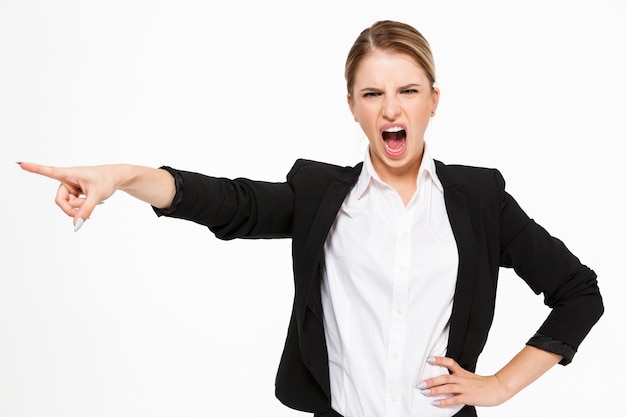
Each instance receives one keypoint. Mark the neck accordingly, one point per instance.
(403, 179)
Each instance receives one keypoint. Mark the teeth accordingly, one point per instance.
(394, 129)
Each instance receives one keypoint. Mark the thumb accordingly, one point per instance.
(84, 212)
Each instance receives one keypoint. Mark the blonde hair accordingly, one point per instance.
(390, 36)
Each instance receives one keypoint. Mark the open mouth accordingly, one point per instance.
(394, 139)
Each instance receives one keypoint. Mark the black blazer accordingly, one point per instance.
(490, 229)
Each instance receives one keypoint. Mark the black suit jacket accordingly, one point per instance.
(490, 229)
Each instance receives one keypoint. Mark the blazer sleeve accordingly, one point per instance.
(569, 288)
(232, 208)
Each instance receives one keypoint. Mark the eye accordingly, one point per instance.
(409, 91)
(371, 94)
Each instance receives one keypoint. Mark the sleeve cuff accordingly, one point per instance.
(549, 344)
(178, 197)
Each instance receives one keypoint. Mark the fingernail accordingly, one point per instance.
(430, 359)
(436, 403)
(421, 385)
(79, 224)
(425, 391)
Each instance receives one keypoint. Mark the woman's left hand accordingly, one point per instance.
(463, 387)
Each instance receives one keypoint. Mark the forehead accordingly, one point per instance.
(380, 66)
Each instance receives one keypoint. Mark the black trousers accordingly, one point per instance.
(466, 411)
(329, 413)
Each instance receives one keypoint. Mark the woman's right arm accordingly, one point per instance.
(83, 188)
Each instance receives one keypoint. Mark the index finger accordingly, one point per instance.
(47, 171)
(446, 362)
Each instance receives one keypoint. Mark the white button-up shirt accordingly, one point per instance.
(387, 291)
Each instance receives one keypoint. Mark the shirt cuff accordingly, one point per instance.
(549, 344)
(178, 197)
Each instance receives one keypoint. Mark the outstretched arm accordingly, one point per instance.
(82, 188)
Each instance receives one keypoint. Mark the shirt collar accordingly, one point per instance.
(368, 174)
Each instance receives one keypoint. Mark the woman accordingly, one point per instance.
(395, 260)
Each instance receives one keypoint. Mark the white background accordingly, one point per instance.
(140, 316)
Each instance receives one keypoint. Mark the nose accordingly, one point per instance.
(391, 108)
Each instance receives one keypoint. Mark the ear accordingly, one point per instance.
(351, 105)
(435, 101)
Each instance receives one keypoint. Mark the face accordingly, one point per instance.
(393, 101)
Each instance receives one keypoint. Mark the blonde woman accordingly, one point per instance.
(395, 260)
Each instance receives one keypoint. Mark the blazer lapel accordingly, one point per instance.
(461, 223)
(326, 214)
(311, 322)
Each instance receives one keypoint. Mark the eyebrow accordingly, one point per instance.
(403, 87)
